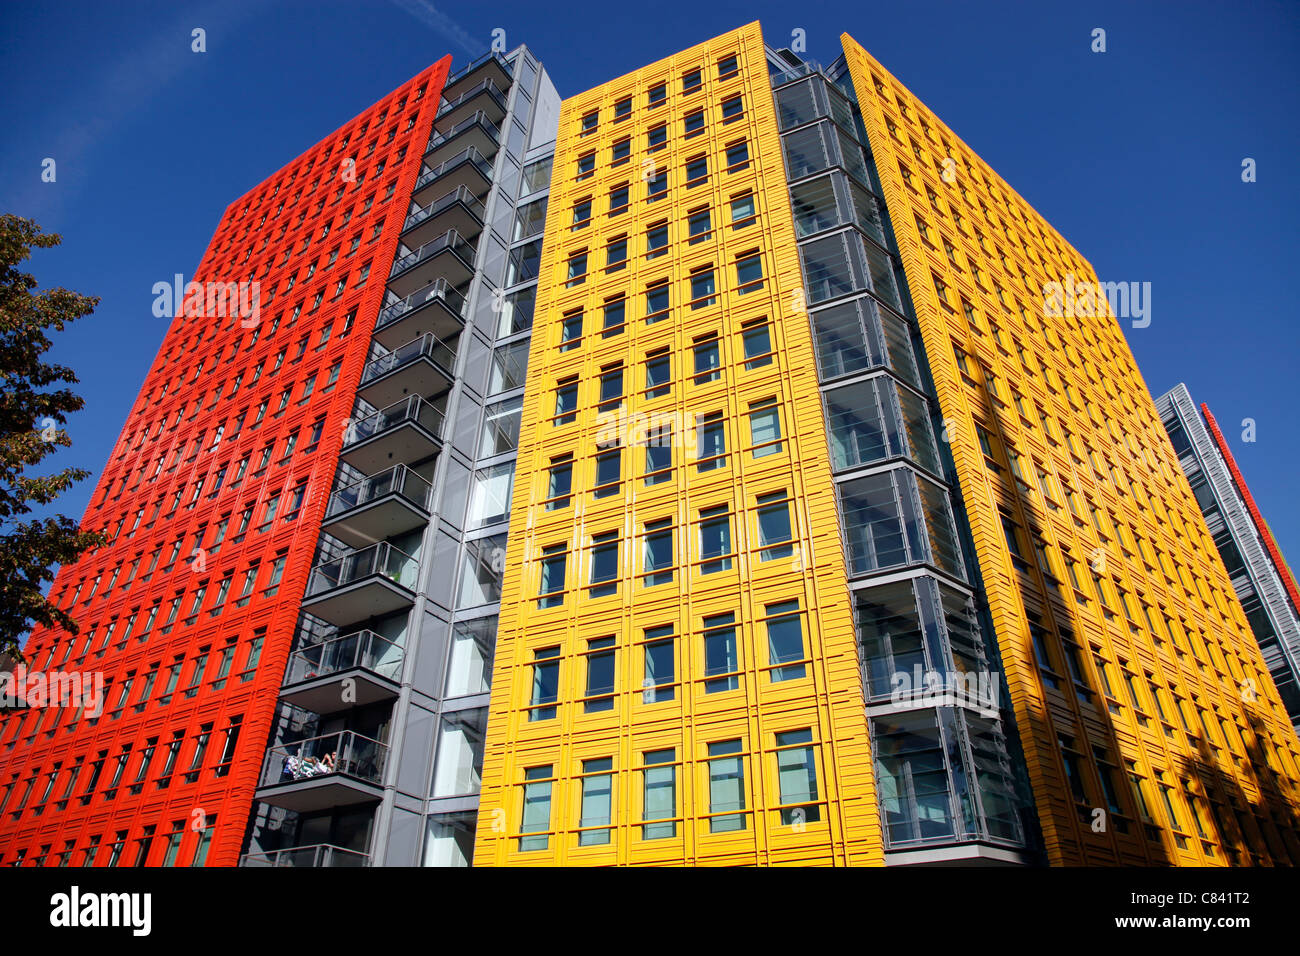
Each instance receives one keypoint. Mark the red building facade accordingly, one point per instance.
(212, 500)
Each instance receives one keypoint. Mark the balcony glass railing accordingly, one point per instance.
(363, 649)
(469, 155)
(448, 240)
(458, 195)
(396, 480)
(479, 117)
(344, 753)
(409, 410)
(483, 86)
(473, 65)
(427, 345)
(321, 854)
(382, 560)
(441, 289)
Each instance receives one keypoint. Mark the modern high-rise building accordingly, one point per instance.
(289, 503)
(1047, 651)
(834, 539)
(1260, 575)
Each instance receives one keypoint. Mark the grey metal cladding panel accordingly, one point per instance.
(405, 838)
(415, 759)
(455, 495)
(1242, 528)
(430, 654)
(441, 560)
(492, 257)
(463, 434)
(478, 358)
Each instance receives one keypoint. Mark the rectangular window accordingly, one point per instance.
(765, 427)
(658, 454)
(726, 786)
(559, 483)
(757, 340)
(604, 564)
(656, 302)
(711, 450)
(608, 472)
(657, 137)
(659, 683)
(536, 817)
(733, 109)
(566, 402)
(708, 359)
(715, 540)
(693, 123)
(570, 330)
(774, 532)
(721, 653)
(796, 772)
(785, 641)
(699, 226)
(697, 171)
(597, 788)
(659, 794)
(737, 156)
(546, 683)
(658, 553)
(743, 211)
(749, 273)
(658, 374)
(611, 388)
(656, 240)
(704, 288)
(615, 313)
(551, 590)
(600, 675)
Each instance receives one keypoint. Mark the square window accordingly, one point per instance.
(658, 94)
(733, 109)
(692, 81)
(693, 123)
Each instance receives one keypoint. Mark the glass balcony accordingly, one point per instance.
(484, 96)
(406, 432)
(439, 309)
(458, 210)
(476, 130)
(371, 664)
(491, 66)
(367, 511)
(361, 584)
(334, 770)
(423, 367)
(449, 257)
(321, 854)
(468, 168)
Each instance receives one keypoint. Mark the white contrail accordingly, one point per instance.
(426, 12)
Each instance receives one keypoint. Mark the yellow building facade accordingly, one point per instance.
(678, 679)
(673, 472)
(1151, 729)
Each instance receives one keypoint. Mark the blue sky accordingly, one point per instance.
(1134, 155)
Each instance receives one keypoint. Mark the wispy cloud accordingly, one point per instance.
(431, 16)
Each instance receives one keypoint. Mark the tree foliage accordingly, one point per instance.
(34, 403)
